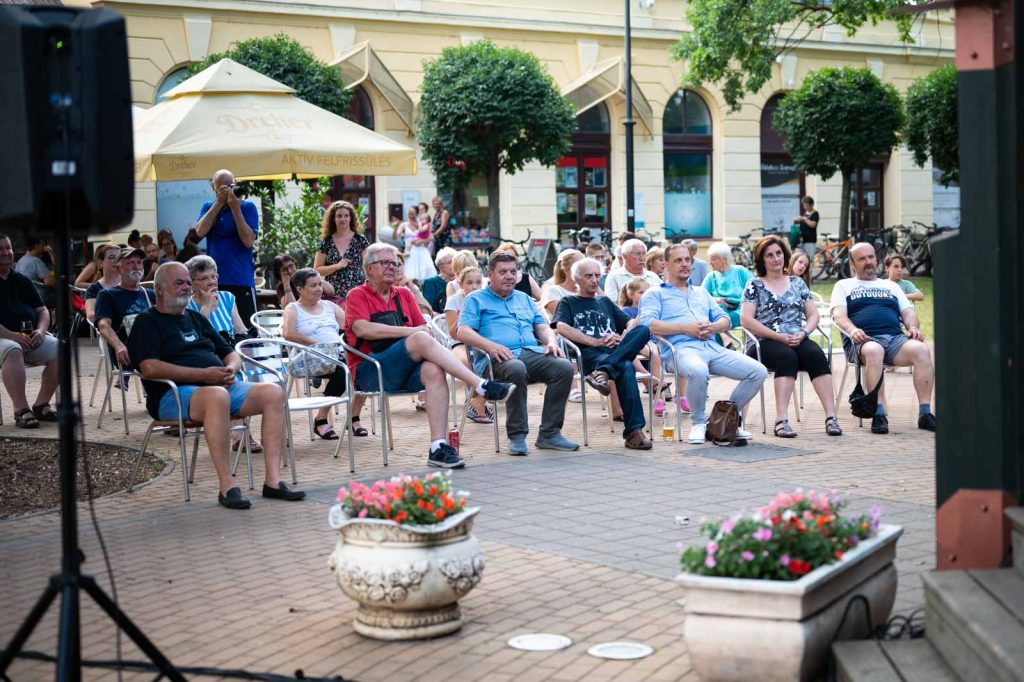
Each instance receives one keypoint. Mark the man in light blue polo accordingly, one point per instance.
(689, 318)
(505, 324)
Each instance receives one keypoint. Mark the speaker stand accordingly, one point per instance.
(70, 581)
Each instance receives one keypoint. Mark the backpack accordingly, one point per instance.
(723, 422)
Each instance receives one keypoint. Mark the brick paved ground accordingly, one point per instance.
(581, 544)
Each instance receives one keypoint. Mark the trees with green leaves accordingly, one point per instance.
(735, 42)
(285, 60)
(836, 121)
(487, 109)
(932, 122)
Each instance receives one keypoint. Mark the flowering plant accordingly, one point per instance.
(408, 500)
(796, 533)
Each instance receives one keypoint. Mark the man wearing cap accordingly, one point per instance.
(230, 226)
(115, 304)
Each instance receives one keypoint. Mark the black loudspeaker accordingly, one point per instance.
(66, 120)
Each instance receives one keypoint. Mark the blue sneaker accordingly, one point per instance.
(558, 442)
(497, 391)
(445, 457)
(517, 446)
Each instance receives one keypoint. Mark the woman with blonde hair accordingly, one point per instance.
(440, 226)
(469, 280)
(339, 259)
(655, 261)
(460, 261)
(561, 283)
(109, 276)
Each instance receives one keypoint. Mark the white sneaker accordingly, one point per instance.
(743, 434)
(697, 432)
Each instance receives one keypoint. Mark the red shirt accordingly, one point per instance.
(363, 301)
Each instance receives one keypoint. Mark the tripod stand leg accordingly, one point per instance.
(25, 631)
(120, 618)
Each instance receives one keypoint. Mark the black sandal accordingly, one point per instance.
(832, 427)
(44, 413)
(26, 420)
(784, 430)
(357, 430)
(329, 434)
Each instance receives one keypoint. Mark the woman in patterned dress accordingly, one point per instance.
(777, 308)
(339, 259)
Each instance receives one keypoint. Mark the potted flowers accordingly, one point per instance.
(769, 592)
(406, 554)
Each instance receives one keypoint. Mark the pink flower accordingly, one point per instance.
(728, 526)
(712, 547)
(710, 561)
(362, 513)
(763, 534)
(784, 560)
(747, 555)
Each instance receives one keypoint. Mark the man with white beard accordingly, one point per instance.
(124, 301)
(173, 343)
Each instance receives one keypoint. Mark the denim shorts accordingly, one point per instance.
(890, 343)
(168, 409)
(400, 372)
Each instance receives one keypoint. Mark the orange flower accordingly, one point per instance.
(449, 503)
(429, 506)
(387, 508)
(400, 516)
(433, 490)
(839, 554)
(418, 487)
(439, 514)
(420, 504)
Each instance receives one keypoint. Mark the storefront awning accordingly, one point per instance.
(360, 64)
(604, 80)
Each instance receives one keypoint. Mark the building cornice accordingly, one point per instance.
(667, 32)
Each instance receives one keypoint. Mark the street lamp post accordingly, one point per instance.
(628, 123)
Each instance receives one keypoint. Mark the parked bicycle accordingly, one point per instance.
(917, 247)
(833, 260)
(743, 253)
(527, 265)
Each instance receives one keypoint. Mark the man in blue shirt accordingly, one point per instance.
(230, 227)
(505, 324)
(689, 318)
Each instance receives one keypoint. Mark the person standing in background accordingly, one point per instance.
(230, 226)
(808, 221)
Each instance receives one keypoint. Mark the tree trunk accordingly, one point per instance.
(493, 200)
(844, 205)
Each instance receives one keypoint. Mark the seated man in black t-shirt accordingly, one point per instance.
(609, 341)
(24, 342)
(172, 342)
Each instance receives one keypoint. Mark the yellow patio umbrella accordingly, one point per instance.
(229, 116)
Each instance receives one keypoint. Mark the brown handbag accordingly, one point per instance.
(723, 422)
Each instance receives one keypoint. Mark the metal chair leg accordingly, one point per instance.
(101, 366)
(195, 454)
(138, 460)
(124, 399)
(764, 417)
(185, 473)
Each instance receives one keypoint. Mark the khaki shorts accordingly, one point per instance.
(43, 354)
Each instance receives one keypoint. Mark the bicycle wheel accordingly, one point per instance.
(741, 256)
(819, 268)
(536, 271)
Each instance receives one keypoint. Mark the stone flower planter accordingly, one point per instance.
(772, 630)
(407, 579)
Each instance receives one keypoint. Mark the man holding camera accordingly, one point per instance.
(230, 226)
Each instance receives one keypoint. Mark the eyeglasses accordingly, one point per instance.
(386, 263)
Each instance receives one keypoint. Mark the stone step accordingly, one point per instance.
(903, 660)
(975, 620)
(1016, 516)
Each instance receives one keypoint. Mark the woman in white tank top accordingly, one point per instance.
(312, 321)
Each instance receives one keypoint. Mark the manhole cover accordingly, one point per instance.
(752, 452)
(620, 651)
(539, 642)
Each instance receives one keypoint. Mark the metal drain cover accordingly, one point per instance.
(539, 641)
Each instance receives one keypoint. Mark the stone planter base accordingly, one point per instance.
(407, 579)
(777, 631)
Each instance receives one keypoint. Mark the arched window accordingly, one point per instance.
(782, 183)
(358, 190)
(583, 177)
(170, 80)
(687, 147)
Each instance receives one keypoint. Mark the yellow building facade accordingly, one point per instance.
(699, 167)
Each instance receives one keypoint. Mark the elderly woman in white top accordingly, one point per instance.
(561, 283)
(314, 322)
